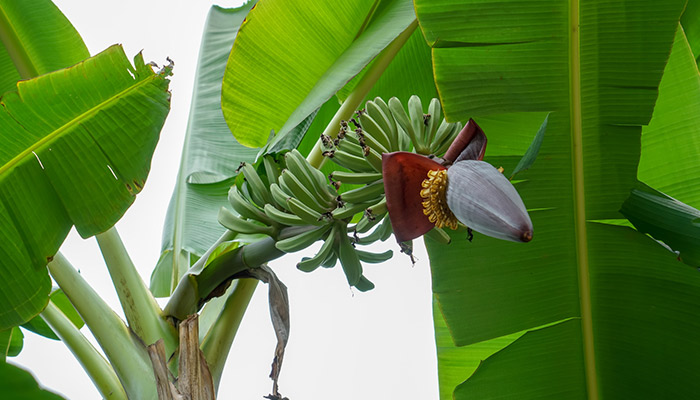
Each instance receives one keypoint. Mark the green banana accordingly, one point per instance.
(349, 258)
(348, 211)
(385, 230)
(382, 233)
(364, 284)
(366, 223)
(379, 208)
(331, 260)
(439, 235)
(245, 208)
(415, 111)
(456, 127)
(314, 179)
(236, 224)
(402, 119)
(373, 143)
(272, 170)
(374, 159)
(405, 143)
(258, 191)
(374, 134)
(351, 145)
(302, 240)
(294, 165)
(435, 116)
(374, 258)
(282, 217)
(443, 132)
(279, 195)
(384, 121)
(309, 264)
(291, 184)
(365, 193)
(306, 213)
(355, 177)
(350, 161)
(393, 131)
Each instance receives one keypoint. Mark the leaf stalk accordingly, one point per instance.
(94, 364)
(217, 342)
(142, 312)
(358, 94)
(127, 355)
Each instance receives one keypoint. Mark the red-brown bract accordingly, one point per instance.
(480, 197)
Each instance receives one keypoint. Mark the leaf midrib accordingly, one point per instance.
(580, 203)
(70, 124)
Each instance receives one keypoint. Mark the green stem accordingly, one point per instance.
(97, 368)
(202, 279)
(358, 94)
(127, 355)
(217, 342)
(142, 312)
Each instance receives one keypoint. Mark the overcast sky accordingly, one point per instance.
(343, 344)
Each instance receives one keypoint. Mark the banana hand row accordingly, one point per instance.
(293, 193)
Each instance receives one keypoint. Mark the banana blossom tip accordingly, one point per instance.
(422, 193)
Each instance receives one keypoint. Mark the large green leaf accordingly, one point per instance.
(35, 38)
(210, 157)
(671, 141)
(461, 361)
(11, 342)
(292, 56)
(631, 306)
(76, 149)
(691, 24)
(666, 219)
(410, 72)
(18, 384)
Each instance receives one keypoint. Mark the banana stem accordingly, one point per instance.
(127, 355)
(217, 342)
(94, 364)
(142, 312)
(197, 285)
(358, 94)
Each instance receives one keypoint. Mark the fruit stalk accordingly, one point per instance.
(353, 101)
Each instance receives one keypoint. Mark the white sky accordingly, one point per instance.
(343, 344)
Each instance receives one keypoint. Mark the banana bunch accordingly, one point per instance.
(296, 194)
(291, 192)
(429, 133)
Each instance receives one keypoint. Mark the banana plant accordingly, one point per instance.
(347, 151)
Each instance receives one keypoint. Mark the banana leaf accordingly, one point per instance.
(11, 342)
(18, 384)
(209, 159)
(665, 219)
(607, 311)
(35, 38)
(76, 149)
(291, 57)
(411, 72)
(671, 141)
(691, 24)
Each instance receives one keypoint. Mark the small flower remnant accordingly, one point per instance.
(425, 192)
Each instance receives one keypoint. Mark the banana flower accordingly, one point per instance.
(425, 192)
